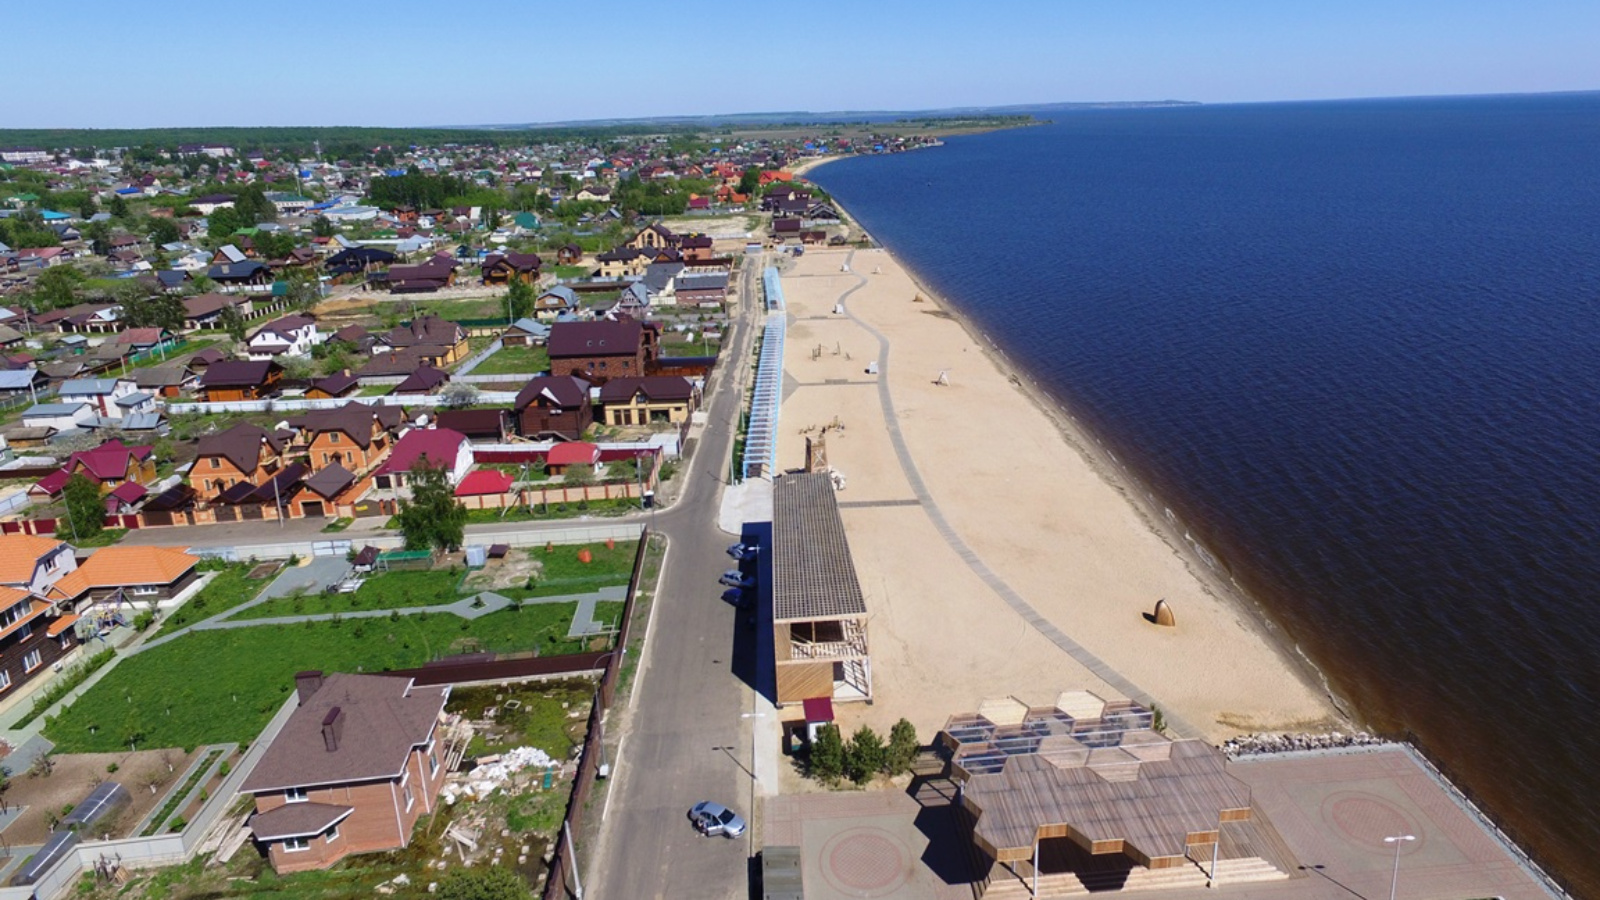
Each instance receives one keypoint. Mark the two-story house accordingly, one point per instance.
(101, 393)
(556, 406)
(356, 765)
(244, 453)
(110, 465)
(288, 336)
(601, 350)
(438, 342)
(652, 400)
(32, 563)
(356, 436)
(503, 268)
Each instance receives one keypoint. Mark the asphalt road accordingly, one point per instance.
(684, 740)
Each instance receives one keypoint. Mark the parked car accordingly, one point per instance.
(736, 578)
(713, 818)
(744, 552)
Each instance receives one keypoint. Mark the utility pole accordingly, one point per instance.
(572, 861)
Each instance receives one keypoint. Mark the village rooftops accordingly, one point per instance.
(240, 445)
(348, 729)
(813, 575)
(237, 373)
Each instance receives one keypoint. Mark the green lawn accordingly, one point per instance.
(231, 587)
(565, 272)
(224, 685)
(387, 590)
(515, 361)
(614, 507)
(484, 308)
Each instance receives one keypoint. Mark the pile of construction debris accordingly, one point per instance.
(495, 772)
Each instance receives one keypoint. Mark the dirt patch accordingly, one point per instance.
(512, 571)
(49, 797)
(264, 570)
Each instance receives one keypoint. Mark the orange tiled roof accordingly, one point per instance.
(114, 566)
(19, 553)
(7, 599)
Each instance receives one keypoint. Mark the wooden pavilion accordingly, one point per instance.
(1064, 787)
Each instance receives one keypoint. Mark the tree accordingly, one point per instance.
(118, 207)
(302, 288)
(459, 394)
(57, 287)
(578, 473)
(86, 510)
(903, 748)
(483, 884)
(222, 223)
(322, 226)
(232, 322)
(432, 518)
(163, 231)
(519, 299)
(142, 309)
(99, 235)
(87, 208)
(864, 756)
(826, 759)
(749, 181)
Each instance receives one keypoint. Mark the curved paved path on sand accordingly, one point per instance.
(974, 562)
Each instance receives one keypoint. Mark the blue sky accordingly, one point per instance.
(96, 63)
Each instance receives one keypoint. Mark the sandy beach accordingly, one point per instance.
(1039, 536)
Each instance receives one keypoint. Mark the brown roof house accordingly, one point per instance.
(438, 341)
(240, 379)
(652, 400)
(354, 768)
(553, 406)
(243, 453)
(601, 350)
(502, 268)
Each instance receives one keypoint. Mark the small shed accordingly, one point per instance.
(782, 877)
(818, 712)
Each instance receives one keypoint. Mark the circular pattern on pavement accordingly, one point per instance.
(866, 862)
(1366, 819)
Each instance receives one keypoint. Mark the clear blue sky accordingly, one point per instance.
(97, 63)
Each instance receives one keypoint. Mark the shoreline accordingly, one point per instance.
(1153, 516)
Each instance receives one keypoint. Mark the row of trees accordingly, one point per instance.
(831, 758)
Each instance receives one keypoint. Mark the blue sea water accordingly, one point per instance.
(1355, 346)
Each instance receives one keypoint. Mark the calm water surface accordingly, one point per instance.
(1356, 347)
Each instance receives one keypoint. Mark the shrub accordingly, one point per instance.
(143, 620)
(826, 760)
(864, 756)
(483, 884)
(903, 748)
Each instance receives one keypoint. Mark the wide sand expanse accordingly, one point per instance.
(1033, 510)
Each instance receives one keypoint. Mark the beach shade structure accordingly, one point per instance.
(1089, 787)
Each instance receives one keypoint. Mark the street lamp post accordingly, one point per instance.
(1397, 840)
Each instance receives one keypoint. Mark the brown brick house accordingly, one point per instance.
(243, 453)
(601, 350)
(553, 407)
(354, 768)
(32, 636)
(356, 436)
